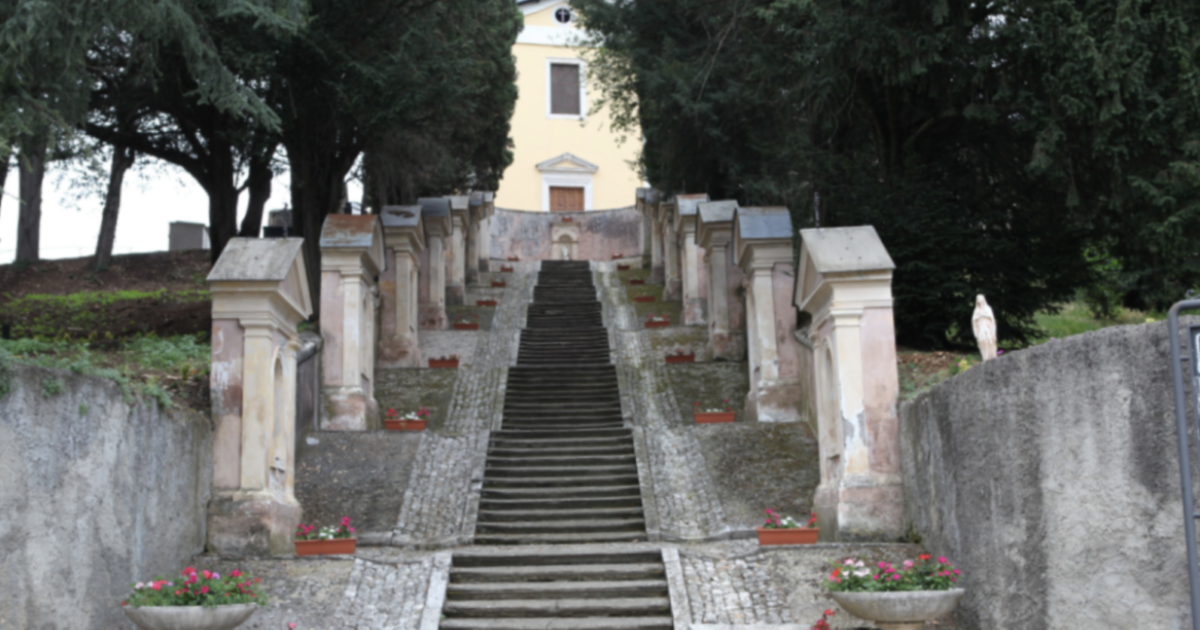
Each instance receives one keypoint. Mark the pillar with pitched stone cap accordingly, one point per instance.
(690, 258)
(844, 282)
(260, 294)
(485, 231)
(671, 282)
(456, 279)
(725, 314)
(475, 220)
(351, 260)
(404, 232)
(435, 215)
(762, 246)
(656, 241)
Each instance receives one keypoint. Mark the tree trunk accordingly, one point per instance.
(29, 220)
(259, 185)
(122, 159)
(4, 155)
(222, 197)
(316, 189)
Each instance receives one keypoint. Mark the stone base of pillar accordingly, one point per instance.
(727, 347)
(657, 273)
(860, 513)
(251, 525)
(348, 409)
(774, 402)
(673, 290)
(433, 317)
(455, 294)
(483, 265)
(472, 275)
(693, 312)
(398, 352)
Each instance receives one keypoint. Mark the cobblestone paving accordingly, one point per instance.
(384, 596)
(733, 591)
(439, 490)
(479, 392)
(688, 505)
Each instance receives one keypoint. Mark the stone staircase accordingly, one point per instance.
(560, 472)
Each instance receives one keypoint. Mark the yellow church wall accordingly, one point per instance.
(537, 137)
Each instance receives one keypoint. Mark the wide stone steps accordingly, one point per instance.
(494, 513)
(549, 494)
(575, 502)
(565, 623)
(615, 607)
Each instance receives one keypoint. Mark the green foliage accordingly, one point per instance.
(52, 386)
(84, 314)
(84, 408)
(989, 143)
(1074, 318)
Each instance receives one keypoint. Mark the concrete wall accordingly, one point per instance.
(1050, 476)
(93, 499)
(601, 234)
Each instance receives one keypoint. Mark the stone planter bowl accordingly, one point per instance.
(901, 610)
(189, 617)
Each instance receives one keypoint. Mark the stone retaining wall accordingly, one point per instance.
(1050, 476)
(598, 234)
(95, 494)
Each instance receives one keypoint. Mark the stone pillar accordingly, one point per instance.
(690, 256)
(671, 282)
(640, 204)
(351, 259)
(844, 282)
(763, 250)
(715, 231)
(485, 231)
(475, 219)
(404, 233)
(656, 243)
(435, 215)
(456, 281)
(260, 294)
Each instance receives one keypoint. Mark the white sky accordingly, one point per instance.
(152, 198)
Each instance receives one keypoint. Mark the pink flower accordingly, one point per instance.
(908, 564)
(956, 572)
(207, 574)
(203, 589)
(292, 626)
(895, 577)
(236, 573)
(942, 560)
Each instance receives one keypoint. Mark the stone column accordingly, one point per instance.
(485, 231)
(715, 230)
(763, 247)
(457, 279)
(435, 214)
(404, 233)
(656, 243)
(671, 282)
(844, 282)
(260, 294)
(475, 219)
(690, 258)
(351, 259)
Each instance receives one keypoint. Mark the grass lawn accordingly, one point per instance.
(1074, 318)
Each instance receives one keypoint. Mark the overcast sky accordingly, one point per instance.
(153, 197)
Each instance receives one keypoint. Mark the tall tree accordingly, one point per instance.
(29, 217)
(122, 159)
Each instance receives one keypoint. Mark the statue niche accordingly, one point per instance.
(564, 242)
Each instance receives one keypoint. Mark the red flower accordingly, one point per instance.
(203, 590)
(924, 556)
(828, 612)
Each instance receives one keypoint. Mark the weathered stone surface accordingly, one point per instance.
(357, 475)
(96, 494)
(602, 233)
(1050, 477)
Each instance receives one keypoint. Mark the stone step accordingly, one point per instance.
(563, 400)
(664, 622)
(504, 452)
(557, 590)
(548, 411)
(558, 539)
(566, 419)
(528, 425)
(564, 494)
(546, 513)
(563, 526)
(633, 500)
(505, 471)
(551, 444)
(612, 607)
(539, 460)
(505, 434)
(573, 555)
(569, 572)
(493, 482)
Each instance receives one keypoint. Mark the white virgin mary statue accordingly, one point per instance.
(984, 324)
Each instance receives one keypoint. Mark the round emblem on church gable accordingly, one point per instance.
(563, 15)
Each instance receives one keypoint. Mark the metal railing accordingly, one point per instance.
(1192, 359)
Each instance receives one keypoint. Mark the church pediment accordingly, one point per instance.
(567, 163)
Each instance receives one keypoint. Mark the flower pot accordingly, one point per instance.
(337, 546)
(485, 302)
(662, 324)
(714, 417)
(900, 610)
(514, 258)
(501, 285)
(644, 298)
(637, 281)
(793, 536)
(616, 256)
(474, 326)
(567, 219)
(190, 617)
(444, 363)
(622, 267)
(504, 269)
(681, 358)
(404, 425)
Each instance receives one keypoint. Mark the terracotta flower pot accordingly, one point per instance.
(337, 546)
(644, 298)
(567, 219)
(793, 536)
(622, 267)
(514, 258)
(704, 417)
(637, 281)
(404, 425)
(485, 302)
(499, 284)
(899, 610)
(616, 256)
(504, 269)
(474, 326)
(681, 358)
(444, 363)
(653, 324)
(190, 617)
